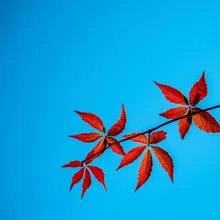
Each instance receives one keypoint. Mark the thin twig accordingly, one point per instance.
(151, 130)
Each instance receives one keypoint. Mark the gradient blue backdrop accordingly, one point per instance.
(60, 56)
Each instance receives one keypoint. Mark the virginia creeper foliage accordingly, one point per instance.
(198, 92)
(186, 113)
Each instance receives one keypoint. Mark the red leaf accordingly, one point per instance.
(145, 169)
(205, 121)
(120, 124)
(199, 91)
(117, 148)
(165, 160)
(86, 182)
(157, 137)
(175, 112)
(172, 94)
(87, 137)
(92, 120)
(184, 126)
(76, 178)
(141, 138)
(98, 148)
(99, 174)
(75, 163)
(131, 156)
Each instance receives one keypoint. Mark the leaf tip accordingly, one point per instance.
(70, 189)
(156, 83)
(137, 187)
(119, 167)
(64, 166)
(171, 178)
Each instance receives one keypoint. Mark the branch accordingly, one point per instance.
(150, 130)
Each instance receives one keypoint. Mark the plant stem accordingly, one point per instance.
(151, 130)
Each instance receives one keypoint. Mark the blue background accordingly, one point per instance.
(60, 56)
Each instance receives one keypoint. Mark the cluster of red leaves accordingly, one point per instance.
(185, 114)
(84, 171)
(147, 163)
(106, 139)
(198, 92)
